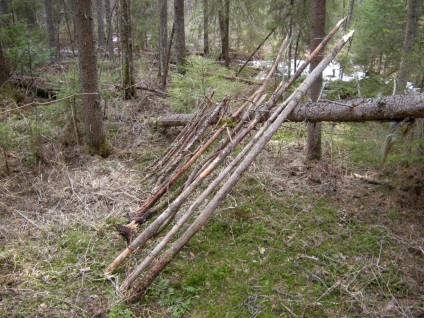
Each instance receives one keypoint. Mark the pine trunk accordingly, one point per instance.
(163, 35)
(101, 37)
(179, 34)
(4, 67)
(313, 143)
(109, 29)
(224, 27)
(205, 27)
(411, 27)
(127, 53)
(356, 110)
(93, 121)
(50, 23)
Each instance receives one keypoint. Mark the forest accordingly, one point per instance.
(211, 158)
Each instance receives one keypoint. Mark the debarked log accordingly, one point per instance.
(388, 108)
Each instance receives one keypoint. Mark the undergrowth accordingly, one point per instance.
(202, 77)
(293, 239)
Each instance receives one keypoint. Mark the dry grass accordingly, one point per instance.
(292, 240)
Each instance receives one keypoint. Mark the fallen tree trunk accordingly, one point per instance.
(35, 85)
(388, 108)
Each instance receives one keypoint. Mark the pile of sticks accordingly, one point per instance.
(186, 157)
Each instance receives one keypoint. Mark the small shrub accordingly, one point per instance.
(24, 48)
(203, 77)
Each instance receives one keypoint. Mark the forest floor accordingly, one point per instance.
(293, 239)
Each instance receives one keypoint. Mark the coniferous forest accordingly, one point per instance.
(211, 158)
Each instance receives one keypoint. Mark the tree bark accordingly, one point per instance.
(51, 24)
(224, 27)
(4, 8)
(163, 36)
(109, 30)
(313, 143)
(180, 48)
(68, 26)
(386, 108)
(101, 37)
(408, 42)
(411, 27)
(4, 67)
(205, 28)
(93, 120)
(127, 51)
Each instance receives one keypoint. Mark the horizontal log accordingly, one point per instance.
(388, 108)
(35, 85)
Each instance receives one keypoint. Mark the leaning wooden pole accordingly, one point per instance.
(275, 122)
(152, 229)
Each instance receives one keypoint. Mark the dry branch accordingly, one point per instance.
(152, 229)
(152, 90)
(268, 130)
(227, 145)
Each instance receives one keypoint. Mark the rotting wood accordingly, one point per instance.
(265, 133)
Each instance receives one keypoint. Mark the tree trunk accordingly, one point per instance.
(29, 16)
(313, 143)
(101, 37)
(127, 52)
(356, 110)
(350, 13)
(51, 24)
(68, 27)
(411, 27)
(205, 28)
(109, 30)
(4, 7)
(163, 36)
(4, 67)
(408, 42)
(179, 34)
(224, 27)
(93, 121)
